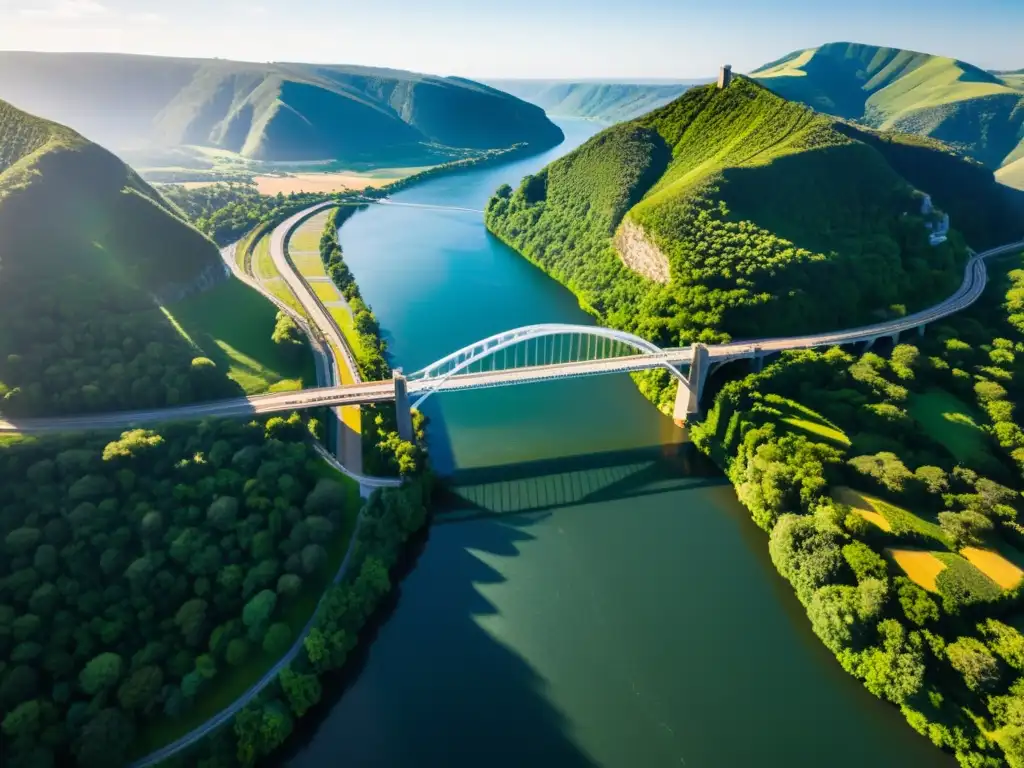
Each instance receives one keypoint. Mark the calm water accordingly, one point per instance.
(595, 596)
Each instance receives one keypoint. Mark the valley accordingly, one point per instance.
(355, 415)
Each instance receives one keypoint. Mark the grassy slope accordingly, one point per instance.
(1012, 175)
(270, 111)
(609, 102)
(232, 324)
(907, 91)
(118, 238)
(952, 423)
(803, 202)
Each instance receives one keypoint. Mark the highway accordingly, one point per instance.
(425, 383)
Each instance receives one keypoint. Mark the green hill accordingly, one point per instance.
(88, 253)
(979, 112)
(276, 112)
(738, 213)
(611, 102)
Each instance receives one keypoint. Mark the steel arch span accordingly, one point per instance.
(555, 343)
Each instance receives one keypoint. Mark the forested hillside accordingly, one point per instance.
(608, 102)
(87, 252)
(738, 214)
(980, 112)
(278, 112)
(891, 489)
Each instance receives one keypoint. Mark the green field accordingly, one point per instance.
(951, 422)
(232, 682)
(343, 317)
(232, 325)
(801, 419)
(308, 264)
(900, 520)
(326, 292)
(907, 91)
(262, 264)
(306, 238)
(963, 581)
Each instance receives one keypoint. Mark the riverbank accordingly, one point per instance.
(939, 644)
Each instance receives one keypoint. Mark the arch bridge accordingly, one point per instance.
(537, 353)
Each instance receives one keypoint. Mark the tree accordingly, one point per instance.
(223, 513)
(964, 528)
(260, 730)
(105, 739)
(885, 468)
(22, 722)
(327, 497)
(915, 602)
(864, 562)
(20, 684)
(805, 556)
(1006, 642)
(257, 611)
(970, 657)
(289, 585)
(238, 649)
(278, 639)
(21, 541)
(101, 672)
(191, 619)
(141, 691)
(895, 669)
(302, 691)
(314, 558)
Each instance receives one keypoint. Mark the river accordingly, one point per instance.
(594, 595)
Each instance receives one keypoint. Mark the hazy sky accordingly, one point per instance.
(517, 38)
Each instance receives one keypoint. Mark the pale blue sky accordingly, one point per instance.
(517, 38)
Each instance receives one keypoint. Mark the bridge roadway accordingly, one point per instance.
(975, 276)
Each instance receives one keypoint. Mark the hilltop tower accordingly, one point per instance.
(724, 76)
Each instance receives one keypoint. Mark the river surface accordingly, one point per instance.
(594, 594)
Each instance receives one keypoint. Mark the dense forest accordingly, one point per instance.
(890, 485)
(226, 211)
(143, 574)
(139, 570)
(753, 203)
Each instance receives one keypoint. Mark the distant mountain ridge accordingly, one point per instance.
(953, 101)
(610, 101)
(275, 112)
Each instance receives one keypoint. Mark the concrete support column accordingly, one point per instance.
(757, 361)
(895, 338)
(403, 412)
(920, 329)
(868, 345)
(689, 392)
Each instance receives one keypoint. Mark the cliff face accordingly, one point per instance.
(640, 254)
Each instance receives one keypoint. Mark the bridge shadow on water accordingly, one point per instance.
(431, 684)
(551, 484)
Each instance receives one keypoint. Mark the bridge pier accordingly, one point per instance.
(403, 412)
(757, 361)
(689, 392)
(920, 329)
